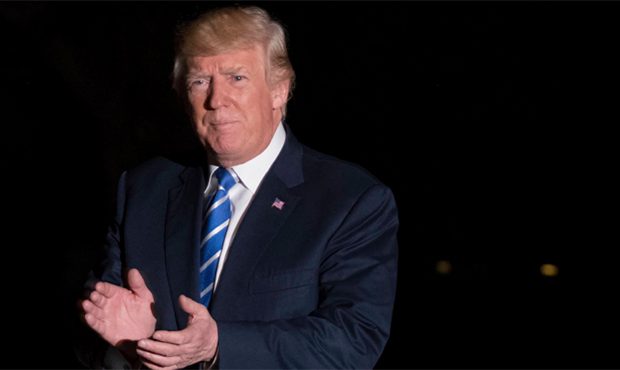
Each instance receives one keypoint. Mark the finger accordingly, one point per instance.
(87, 306)
(94, 323)
(157, 359)
(137, 284)
(90, 308)
(105, 289)
(86, 291)
(172, 337)
(160, 348)
(96, 298)
(192, 307)
(79, 304)
(153, 366)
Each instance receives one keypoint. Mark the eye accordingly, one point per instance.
(238, 78)
(198, 84)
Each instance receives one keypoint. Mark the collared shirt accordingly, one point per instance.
(249, 175)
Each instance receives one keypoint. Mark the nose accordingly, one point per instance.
(217, 96)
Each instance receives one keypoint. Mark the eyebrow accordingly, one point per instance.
(191, 75)
(224, 71)
(233, 70)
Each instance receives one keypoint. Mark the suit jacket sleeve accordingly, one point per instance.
(111, 267)
(92, 351)
(351, 324)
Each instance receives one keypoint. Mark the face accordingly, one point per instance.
(234, 108)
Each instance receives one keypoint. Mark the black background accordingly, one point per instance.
(493, 123)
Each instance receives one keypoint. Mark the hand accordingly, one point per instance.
(121, 315)
(178, 349)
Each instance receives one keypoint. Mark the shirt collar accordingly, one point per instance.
(251, 173)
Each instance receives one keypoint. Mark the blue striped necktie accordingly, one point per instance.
(213, 233)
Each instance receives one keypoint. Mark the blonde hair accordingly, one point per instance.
(234, 28)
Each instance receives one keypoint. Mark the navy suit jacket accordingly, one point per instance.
(310, 285)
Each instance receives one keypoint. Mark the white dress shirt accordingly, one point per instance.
(249, 175)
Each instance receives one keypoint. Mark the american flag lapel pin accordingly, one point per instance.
(278, 203)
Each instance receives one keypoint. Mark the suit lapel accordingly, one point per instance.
(182, 238)
(260, 225)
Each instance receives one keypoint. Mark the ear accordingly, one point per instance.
(279, 94)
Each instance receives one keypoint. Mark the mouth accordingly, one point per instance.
(221, 122)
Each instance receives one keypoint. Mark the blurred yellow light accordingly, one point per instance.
(443, 267)
(549, 270)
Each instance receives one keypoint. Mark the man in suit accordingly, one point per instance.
(271, 255)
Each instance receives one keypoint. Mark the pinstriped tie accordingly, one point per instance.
(213, 233)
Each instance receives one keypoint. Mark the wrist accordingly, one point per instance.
(210, 364)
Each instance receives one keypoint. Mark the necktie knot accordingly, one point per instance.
(224, 178)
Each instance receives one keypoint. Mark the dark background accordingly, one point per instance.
(492, 122)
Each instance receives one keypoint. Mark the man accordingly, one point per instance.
(269, 256)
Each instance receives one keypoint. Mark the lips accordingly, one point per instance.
(221, 122)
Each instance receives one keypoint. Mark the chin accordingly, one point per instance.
(227, 152)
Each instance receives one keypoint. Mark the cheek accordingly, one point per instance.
(196, 110)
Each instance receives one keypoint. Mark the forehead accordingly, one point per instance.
(252, 59)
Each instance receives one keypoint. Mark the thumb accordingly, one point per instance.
(192, 307)
(137, 284)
